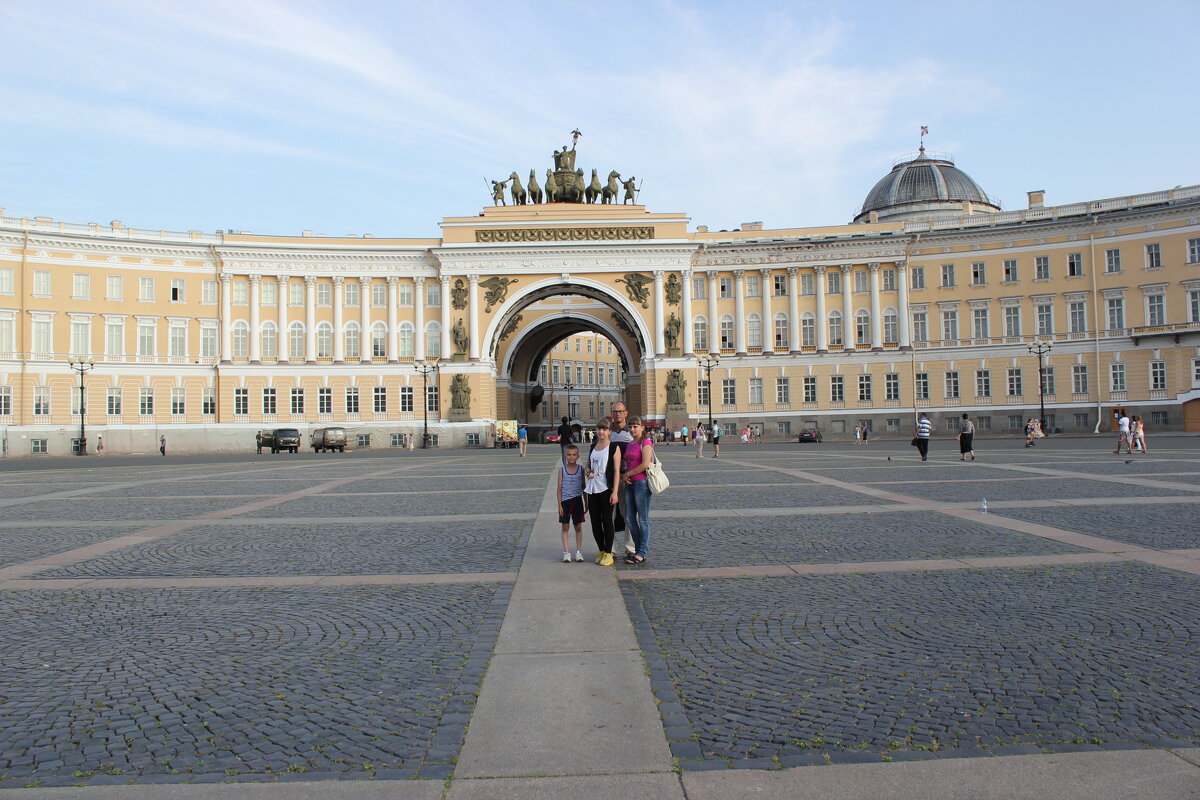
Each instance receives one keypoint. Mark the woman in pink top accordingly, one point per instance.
(637, 491)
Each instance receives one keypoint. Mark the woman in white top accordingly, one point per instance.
(602, 489)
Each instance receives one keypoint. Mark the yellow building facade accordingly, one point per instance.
(929, 302)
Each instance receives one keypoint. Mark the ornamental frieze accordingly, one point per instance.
(564, 234)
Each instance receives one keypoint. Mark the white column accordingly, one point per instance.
(339, 298)
(255, 322)
(473, 313)
(714, 325)
(660, 302)
(739, 311)
(393, 342)
(445, 299)
(226, 317)
(689, 347)
(822, 320)
(794, 309)
(876, 320)
(419, 318)
(847, 308)
(768, 324)
(310, 318)
(365, 353)
(283, 289)
(902, 319)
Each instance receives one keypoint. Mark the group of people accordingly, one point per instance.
(924, 432)
(1131, 432)
(861, 433)
(610, 485)
(1033, 432)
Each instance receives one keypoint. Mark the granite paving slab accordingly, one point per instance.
(516, 500)
(18, 545)
(405, 482)
(97, 508)
(749, 496)
(1163, 527)
(1045, 489)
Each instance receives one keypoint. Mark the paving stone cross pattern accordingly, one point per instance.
(406, 617)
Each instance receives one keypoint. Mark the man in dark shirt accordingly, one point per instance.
(564, 438)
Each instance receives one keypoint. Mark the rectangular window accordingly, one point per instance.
(1117, 372)
(295, 293)
(983, 383)
(208, 342)
(41, 401)
(379, 399)
(38, 447)
(921, 385)
(864, 388)
(1045, 319)
(891, 386)
(433, 293)
(324, 400)
(889, 280)
(1159, 417)
(145, 338)
(978, 273)
(1081, 420)
(351, 399)
(920, 327)
(726, 285)
(177, 285)
(113, 401)
(431, 398)
(1074, 265)
(979, 323)
(43, 337)
(1153, 256)
(116, 288)
(1194, 251)
(837, 389)
(783, 391)
(404, 294)
(1194, 305)
(952, 384)
(7, 336)
(1079, 378)
(699, 289)
(297, 398)
(1016, 386)
(41, 283)
(178, 401)
(351, 294)
(81, 286)
(270, 398)
(862, 281)
(728, 392)
(6, 280)
(208, 401)
(1010, 270)
(269, 290)
(753, 286)
(146, 401)
(833, 279)
(949, 325)
(780, 285)
(807, 284)
(406, 398)
(1012, 321)
(241, 401)
(81, 337)
(947, 276)
(1156, 311)
(1047, 377)
(146, 289)
(208, 293)
(1078, 313)
(324, 294)
(1116, 313)
(177, 341)
(1112, 260)
(379, 295)
(362, 441)
(783, 428)
(918, 277)
(756, 391)
(1041, 268)
(810, 389)
(702, 393)
(1158, 375)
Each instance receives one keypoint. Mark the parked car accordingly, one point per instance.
(810, 435)
(285, 439)
(553, 438)
(332, 439)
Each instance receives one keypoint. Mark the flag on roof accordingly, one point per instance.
(924, 130)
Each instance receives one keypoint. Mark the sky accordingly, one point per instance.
(351, 117)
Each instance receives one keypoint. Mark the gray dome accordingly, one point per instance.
(925, 188)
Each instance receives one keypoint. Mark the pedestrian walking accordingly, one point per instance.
(746, 435)
(1123, 435)
(715, 428)
(698, 439)
(1030, 433)
(99, 445)
(603, 489)
(924, 431)
(858, 434)
(1139, 434)
(523, 440)
(866, 430)
(162, 445)
(571, 507)
(637, 456)
(966, 439)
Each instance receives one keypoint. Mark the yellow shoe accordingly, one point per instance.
(606, 560)
(599, 558)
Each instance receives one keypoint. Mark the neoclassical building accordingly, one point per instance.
(930, 299)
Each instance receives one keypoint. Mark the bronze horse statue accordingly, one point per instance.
(551, 188)
(594, 189)
(535, 191)
(613, 190)
(518, 191)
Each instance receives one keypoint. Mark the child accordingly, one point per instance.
(570, 502)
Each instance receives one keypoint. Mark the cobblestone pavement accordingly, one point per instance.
(25, 544)
(1162, 526)
(750, 496)
(1043, 489)
(333, 505)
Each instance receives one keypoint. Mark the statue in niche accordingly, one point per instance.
(676, 388)
(635, 287)
(671, 332)
(459, 334)
(458, 295)
(674, 290)
(460, 393)
(497, 291)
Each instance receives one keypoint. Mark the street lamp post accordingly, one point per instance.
(1040, 348)
(425, 368)
(82, 367)
(707, 362)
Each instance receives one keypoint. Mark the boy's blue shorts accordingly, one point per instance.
(572, 511)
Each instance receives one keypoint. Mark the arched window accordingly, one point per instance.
(241, 339)
(782, 332)
(406, 340)
(379, 340)
(324, 340)
(808, 329)
(352, 340)
(433, 340)
(835, 328)
(727, 340)
(754, 331)
(700, 334)
(296, 341)
(862, 326)
(268, 338)
(891, 334)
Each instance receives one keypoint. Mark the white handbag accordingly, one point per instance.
(656, 479)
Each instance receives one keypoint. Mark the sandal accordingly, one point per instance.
(634, 560)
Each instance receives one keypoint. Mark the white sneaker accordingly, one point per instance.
(566, 558)
(578, 555)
